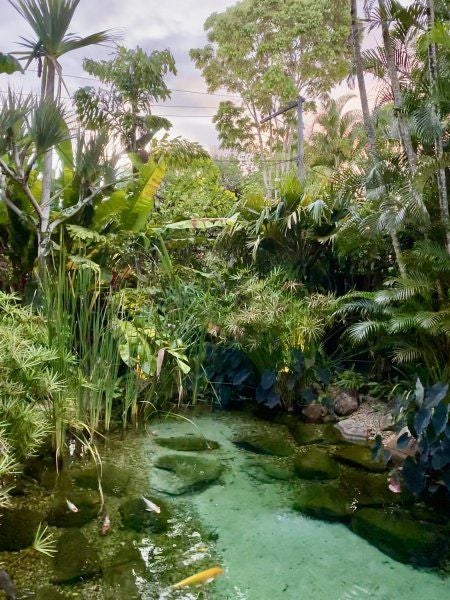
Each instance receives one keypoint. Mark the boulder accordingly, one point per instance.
(353, 431)
(262, 443)
(314, 413)
(18, 528)
(119, 577)
(59, 514)
(315, 464)
(114, 479)
(360, 457)
(365, 489)
(345, 402)
(136, 517)
(177, 474)
(323, 501)
(76, 559)
(188, 443)
(306, 434)
(278, 472)
(400, 536)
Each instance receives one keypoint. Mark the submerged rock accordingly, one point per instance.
(119, 577)
(76, 559)
(278, 472)
(306, 434)
(323, 501)
(367, 489)
(114, 479)
(188, 443)
(136, 517)
(401, 536)
(263, 443)
(60, 516)
(315, 464)
(49, 592)
(360, 457)
(177, 474)
(17, 529)
(43, 470)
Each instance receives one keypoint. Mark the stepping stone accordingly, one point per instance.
(323, 501)
(178, 474)
(306, 434)
(17, 528)
(114, 479)
(189, 443)
(76, 559)
(400, 536)
(88, 506)
(261, 443)
(315, 464)
(360, 457)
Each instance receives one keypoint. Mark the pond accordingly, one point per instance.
(247, 507)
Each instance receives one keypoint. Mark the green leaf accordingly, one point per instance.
(9, 64)
(139, 213)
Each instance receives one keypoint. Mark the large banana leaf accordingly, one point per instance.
(202, 223)
(142, 206)
(109, 209)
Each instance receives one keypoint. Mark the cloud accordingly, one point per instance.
(173, 24)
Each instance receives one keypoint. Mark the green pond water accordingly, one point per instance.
(240, 519)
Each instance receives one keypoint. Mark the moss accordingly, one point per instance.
(120, 576)
(60, 516)
(76, 559)
(49, 592)
(278, 472)
(315, 463)
(370, 489)
(306, 434)
(189, 443)
(264, 444)
(177, 474)
(115, 480)
(360, 457)
(400, 536)
(136, 517)
(323, 501)
(18, 528)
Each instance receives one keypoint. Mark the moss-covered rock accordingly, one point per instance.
(323, 501)
(188, 443)
(278, 472)
(43, 470)
(261, 443)
(365, 489)
(18, 528)
(49, 592)
(306, 434)
(114, 479)
(178, 474)
(76, 559)
(315, 463)
(120, 575)
(400, 536)
(360, 457)
(59, 514)
(136, 517)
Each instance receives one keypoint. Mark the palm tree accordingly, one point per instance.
(356, 39)
(50, 21)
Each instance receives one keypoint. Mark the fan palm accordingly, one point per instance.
(50, 21)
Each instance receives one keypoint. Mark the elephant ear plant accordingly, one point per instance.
(426, 414)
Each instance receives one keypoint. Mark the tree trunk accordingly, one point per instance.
(396, 91)
(398, 254)
(439, 146)
(44, 234)
(367, 118)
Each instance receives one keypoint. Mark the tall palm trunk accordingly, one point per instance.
(395, 86)
(439, 146)
(356, 37)
(44, 242)
(398, 253)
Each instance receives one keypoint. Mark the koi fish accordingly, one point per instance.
(106, 525)
(200, 578)
(394, 485)
(151, 506)
(71, 506)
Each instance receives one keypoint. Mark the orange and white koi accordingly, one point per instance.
(151, 506)
(106, 525)
(200, 578)
(71, 506)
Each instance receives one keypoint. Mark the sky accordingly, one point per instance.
(152, 25)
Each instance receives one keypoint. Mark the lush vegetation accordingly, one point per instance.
(140, 273)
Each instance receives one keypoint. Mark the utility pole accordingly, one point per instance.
(298, 104)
